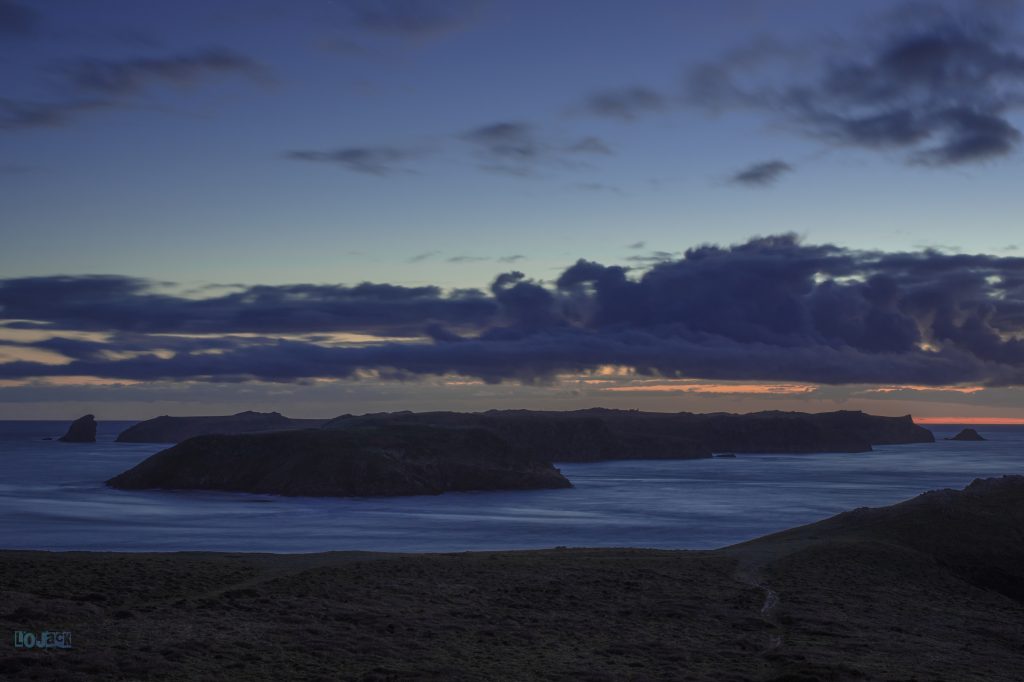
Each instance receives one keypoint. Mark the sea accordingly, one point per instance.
(53, 497)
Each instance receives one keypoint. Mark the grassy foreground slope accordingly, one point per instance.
(928, 589)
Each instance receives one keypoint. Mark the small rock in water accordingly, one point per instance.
(82, 430)
(967, 434)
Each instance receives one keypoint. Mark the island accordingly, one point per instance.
(931, 588)
(601, 434)
(82, 430)
(410, 453)
(967, 434)
(368, 461)
(593, 434)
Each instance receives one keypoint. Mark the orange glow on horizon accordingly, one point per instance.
(992, 421)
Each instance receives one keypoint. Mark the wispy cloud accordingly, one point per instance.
(118, 78)
(87, 85)
(414, 19)
(761, 174)
(369, 160)
(420, 257)
(625, 104)
(519, 148)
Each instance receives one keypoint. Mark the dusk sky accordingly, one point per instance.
(321, 207)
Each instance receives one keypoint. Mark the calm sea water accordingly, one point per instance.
(52, 497)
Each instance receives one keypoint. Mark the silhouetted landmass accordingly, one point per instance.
(928, 589)
(601, 434)
(967, 434)
(594, 434)
(398, 460)
(977, 533)
(407, 453)
(82, 430)
(176, 429)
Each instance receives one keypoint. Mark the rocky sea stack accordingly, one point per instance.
(82, 430)
(967, 434)
(399, 460)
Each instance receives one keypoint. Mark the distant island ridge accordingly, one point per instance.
(405, 453)
(680, 434)
(166, 429)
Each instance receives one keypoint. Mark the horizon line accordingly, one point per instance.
(991, 421)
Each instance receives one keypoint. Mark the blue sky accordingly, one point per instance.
(442, 143)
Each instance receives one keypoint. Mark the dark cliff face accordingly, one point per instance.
(967, 434)
(368, 461)
(82, 430)
(176, 429)
(877, 430)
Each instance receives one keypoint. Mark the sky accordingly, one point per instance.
(331, 206)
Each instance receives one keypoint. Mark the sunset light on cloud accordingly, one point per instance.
(753, 389)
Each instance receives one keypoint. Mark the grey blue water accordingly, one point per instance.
(52, 497)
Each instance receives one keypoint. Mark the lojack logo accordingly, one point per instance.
(44, 640)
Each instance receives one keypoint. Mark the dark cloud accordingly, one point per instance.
(768, 309)
(17, 19)
(519, 148)
(92, 84)
(118, 78)
(370, 160)
(121, 304)
(760, 174)
(414, 19)
(626, 104)
(508, 148)
(943, 92)
(18, 115)
(467, 259)
(512, 141)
